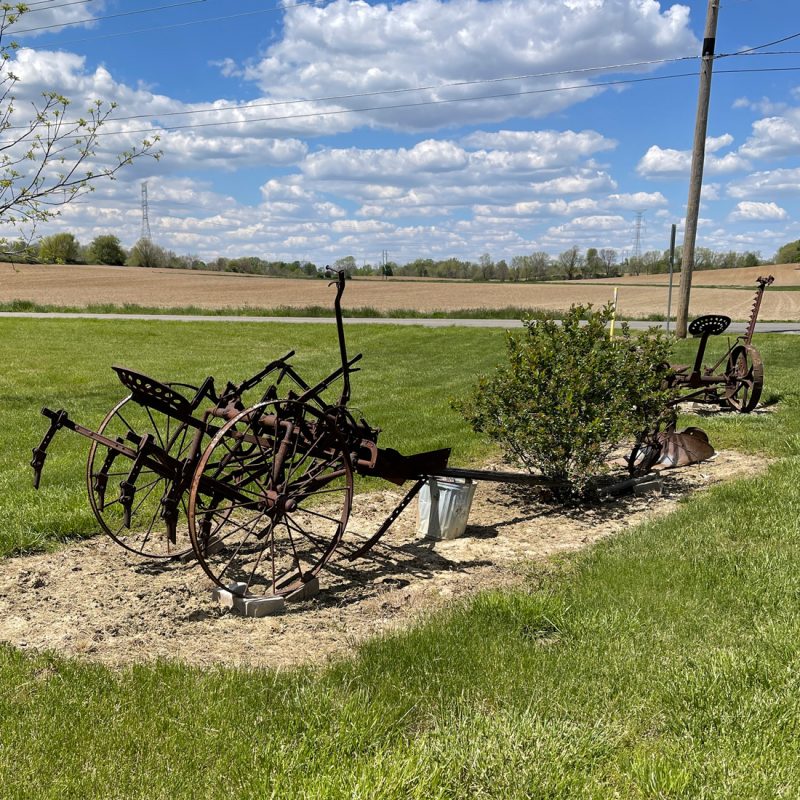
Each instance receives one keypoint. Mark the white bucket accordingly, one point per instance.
(443, 508)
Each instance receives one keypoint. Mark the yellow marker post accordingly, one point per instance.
(613, 314)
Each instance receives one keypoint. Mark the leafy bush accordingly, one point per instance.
(60, 248)
(570, 394)
(106, 249)
(789, 253)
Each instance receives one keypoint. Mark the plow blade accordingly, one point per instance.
(680, 448)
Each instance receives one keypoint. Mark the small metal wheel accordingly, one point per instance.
(744, 378)
(270, 498)
(141, 528)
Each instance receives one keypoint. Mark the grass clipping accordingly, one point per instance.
(569, 394)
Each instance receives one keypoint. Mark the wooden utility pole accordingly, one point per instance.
(698, 159)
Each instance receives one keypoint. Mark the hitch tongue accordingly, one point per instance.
(57, 420)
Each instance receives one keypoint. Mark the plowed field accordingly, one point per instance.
(639, 296)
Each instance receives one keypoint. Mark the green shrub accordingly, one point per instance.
(569, 394)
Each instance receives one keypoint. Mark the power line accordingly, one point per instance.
(13, 32)
(585, 86)
(169, 26)
(431, 87)
(422, 103)
(761, 46)
(410, 89)
(354, 95)
(30, 10)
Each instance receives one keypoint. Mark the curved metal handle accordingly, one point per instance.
(337, 304)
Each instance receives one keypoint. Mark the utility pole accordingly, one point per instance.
(698, 160)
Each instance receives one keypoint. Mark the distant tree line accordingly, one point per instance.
(571, 264)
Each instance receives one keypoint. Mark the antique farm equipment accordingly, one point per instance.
(260, 492)
(739, 384)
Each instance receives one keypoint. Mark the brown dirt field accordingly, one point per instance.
(94, 601)
(784, 274)
(83, 285)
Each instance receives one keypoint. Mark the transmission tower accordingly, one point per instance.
(145, 217)
(638, 228)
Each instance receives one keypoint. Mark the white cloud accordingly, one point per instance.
(348, 47)
(749, 210)
(547, 147)
(766, 183)
(763, 106)
(774, 137)
(661, 162)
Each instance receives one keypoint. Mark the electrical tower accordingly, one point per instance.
(384, 263)
(145, 217)
(638, 228)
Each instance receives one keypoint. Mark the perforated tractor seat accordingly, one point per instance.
(153, 393)
(711, 324)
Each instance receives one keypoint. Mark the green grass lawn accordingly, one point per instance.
(661, 664)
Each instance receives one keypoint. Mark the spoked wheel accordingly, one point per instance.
(270, 499)
(745, 378)
(145, 533)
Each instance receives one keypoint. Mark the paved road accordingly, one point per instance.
(736, 327)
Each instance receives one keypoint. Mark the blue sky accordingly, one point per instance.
(352, 138)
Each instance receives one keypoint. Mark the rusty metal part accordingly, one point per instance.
(397, 468)
(745, 378)
(738, 384)
(681, 448)
(751, 325)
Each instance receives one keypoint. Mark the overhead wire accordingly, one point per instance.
(12, 32)
(185, 23)
(424, 103)
(760, 46)
(406, 90)
(50, 7)
(403, 90)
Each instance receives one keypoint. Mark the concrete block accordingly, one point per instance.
(654, 486)
(247, 606)
(308, 590)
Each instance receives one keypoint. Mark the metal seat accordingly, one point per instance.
(153, 393)
(710, 324)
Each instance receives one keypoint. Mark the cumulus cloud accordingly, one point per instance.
(349, 47)
(664, 162)
(766, 183)
(774, 137)
(749, 210)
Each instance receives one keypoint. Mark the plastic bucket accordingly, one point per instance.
(443, 508)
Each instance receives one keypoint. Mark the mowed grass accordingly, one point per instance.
(660, 664)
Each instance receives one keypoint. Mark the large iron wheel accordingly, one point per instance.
(145, 532)
(270, 499)
(744, 378)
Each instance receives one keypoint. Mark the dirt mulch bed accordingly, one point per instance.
(92, 600)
